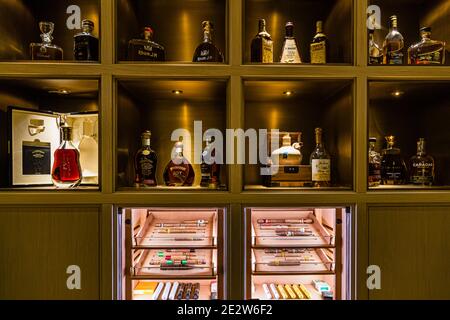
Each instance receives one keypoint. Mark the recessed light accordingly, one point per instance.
(177, 92)
(397, 93)
(288, 93)
(62, 92)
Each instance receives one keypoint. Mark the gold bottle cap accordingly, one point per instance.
(287, 140)
(390, 140)
(394, 21)
(319, 26)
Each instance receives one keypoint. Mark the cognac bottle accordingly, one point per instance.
(209, 168)
(374, 177)
(179, 172)
(262, 45)
(393, 167)
(290, 53)
(421, 166)
(426, 51)
(375, 52)
(46, 50)
(320, 163)
(145, 162)
(320, 48)
(85, 44)
(66, 172)
(145, 49)
(393, 45)
(207, 51)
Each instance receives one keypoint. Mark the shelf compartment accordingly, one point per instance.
(177, 25)
(205, 288)
(20, 25)
(151, 104)
(413, 15)
(397, 108)
(309, 261)
(42, 99)
(328, 104)
(336, 15)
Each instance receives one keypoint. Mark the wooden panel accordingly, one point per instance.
(38, 244)
(411, 245)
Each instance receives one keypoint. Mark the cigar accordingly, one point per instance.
(280, 226)
(169, 231)
(282, 233)
(284, 250)
(196, 291)
(288, 263)
(187, 222)
(178, 266)
(293, 221)
(178, 251)
(188, 291)
(179, 225)
(182, 262)
(181, 291)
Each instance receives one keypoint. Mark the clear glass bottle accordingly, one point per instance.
(393, 45)
(179, 171)
(262, 45)
(393, 167)
(85, 44)
(207, 51)
(320, 48)
(421, 166)
(288, 154)
(145, 163)
(375, 52)
(66, 171)
(209, 168)
(374, 176)
(320, 163)
(290, 52)
(427, 51)
(89, 154)
(145, 49)
(46, 50)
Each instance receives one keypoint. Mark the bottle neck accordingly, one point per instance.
(426, 36)
(207, 35)
(146, 142)
(319, 28)
(87, 29)
(393, 25)
(371, 146)
(421, 148)
(319, 140)
(262, 27)
(179, 152)
(46, 38)
(371, 37)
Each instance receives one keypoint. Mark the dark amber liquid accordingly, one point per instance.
(66, 166)
(179, 175)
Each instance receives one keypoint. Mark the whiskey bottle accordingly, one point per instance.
(209, 168)
(393, 168)
(85, 44)
(207, 51)
(145, 162)
(427, 51)
(320, 163)
(421, 166)
(374, 177)
(89, 154)
(375, 52)
(179, 172)
(262, 45)
(46, 50)
(290, 52)
(393, 45)
(319, 48)
(145, 49)
(66, 171)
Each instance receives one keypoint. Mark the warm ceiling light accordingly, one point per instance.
(177, 92)
(288, 93)
(62, 92)
(397, 93)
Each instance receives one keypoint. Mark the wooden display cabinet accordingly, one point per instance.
(157, 245)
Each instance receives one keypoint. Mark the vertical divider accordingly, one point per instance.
(360, 33)
(107, 133)
(235, 262)
(235, 17)
(108, 267)
(361, 241)
(235, 117)
(108, 27)
(361, 136)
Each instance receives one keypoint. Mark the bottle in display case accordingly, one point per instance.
(393, 45)
(89, 153)
(66, 171)
(290, 52)
(209, 168)
(145, 162)
(393, 167)
(320, 163)
(85, 44)
(207, 51)
(374, 177)
(262, 45)
(421, 166)
(375, 52)
(46, 50)
(179, 171)
(320, 47)
(145, 49)
(427, 51)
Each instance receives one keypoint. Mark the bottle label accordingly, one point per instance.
(376, 59)
(267, 51)
(429, 58)
(319, 52)
(146, 167)
(374, 173)
(290, 52)
(395, 57)
(321, 169)
(36, 157)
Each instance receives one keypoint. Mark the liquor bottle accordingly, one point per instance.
(85, 44)
(207, 51)
(66, 171)
(145, 162)
(89, 154)
(375, 52)
(290, 52)
(145, 49)
(320, 163)
(427, 51)
(393, 45)
(262, 45)
(288, 154)
(374, 177)
(209, 168)
(393, 168)
(421, 166)
(319, 48)
(179, 172)
(46, 50)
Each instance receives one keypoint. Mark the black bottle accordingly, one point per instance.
(85, 44)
